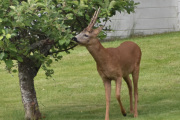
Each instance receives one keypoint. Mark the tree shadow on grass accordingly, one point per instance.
(160, 108)
(74, 112)
(84, 112)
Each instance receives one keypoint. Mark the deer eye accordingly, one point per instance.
(86, 35)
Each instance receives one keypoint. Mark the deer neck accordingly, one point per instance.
(98, 52)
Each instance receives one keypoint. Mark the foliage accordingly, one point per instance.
(35, 29)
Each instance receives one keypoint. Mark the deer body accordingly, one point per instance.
(113, 64)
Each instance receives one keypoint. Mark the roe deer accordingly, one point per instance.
(113, 64)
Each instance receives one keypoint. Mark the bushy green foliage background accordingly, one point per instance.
(24, 23)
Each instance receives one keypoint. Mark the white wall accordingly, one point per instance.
(150, 17)
(178, 13)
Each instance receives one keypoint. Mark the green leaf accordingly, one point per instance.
(59, 57)
(19, 59)
(1, 44)
(48, 63)
(0, 20)
(106, 3)
(112, 4)
(12, 7)
(1, 37)
(3, 32)
(2, 55)
(8, 36)
(29, 1)
(75, 2)
(69, 16)
(40, 4)
(12, 47)
(9, 64)
(62, 41)
(14, 71)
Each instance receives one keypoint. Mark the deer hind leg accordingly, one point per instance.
(118, 89)
(135, 76)
(107, 85)
(129, 84)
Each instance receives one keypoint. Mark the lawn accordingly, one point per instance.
(76, 91)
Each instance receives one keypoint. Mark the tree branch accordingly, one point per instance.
(45, 46)
(40, 44)
(50, 53)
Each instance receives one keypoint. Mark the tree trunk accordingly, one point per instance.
(27, 72)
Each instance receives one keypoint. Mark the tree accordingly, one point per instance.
(33, 32)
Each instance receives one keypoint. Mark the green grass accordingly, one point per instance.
(76, 91)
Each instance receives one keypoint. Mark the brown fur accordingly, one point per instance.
(114, 64)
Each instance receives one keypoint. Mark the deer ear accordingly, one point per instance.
(98, 30)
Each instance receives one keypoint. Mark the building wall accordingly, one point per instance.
(150, 17)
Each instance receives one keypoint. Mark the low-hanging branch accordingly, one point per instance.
(50, 53)
(40, 44)
(47, 42)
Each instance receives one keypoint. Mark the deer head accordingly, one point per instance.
(89, 35)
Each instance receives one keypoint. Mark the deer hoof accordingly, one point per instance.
(135, 115)
(124, 114)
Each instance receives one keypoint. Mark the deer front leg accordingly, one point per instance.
(107, 85)
(118, 89)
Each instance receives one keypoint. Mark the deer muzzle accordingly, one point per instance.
(75, 39)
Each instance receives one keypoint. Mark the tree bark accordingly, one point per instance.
(27, 72)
